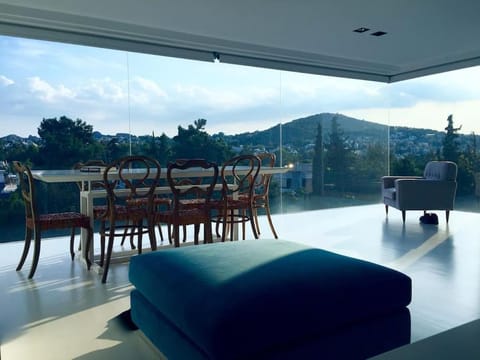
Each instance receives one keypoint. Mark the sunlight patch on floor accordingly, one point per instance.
(402, 263)
(87, 332)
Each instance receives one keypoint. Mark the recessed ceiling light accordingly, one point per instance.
(361, 30)
(378, 33)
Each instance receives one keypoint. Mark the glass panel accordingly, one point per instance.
(419, 113)
(338, 136)
(337, 154)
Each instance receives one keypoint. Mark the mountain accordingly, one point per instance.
(303, 131)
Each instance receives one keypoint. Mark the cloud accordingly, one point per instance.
(147, 92)
(105, 89)
(221, 100)
(48, 93)
(150, 86)
(92, 84)
(425, 114)
(4, 81)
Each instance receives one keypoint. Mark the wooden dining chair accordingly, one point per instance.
(261, 189)
(91, 165)
(130, 183)
(191, 200)
(235, 207)
(194, 199)
(36, 223)
(161, 203)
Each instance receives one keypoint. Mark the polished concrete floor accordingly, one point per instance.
(65, 312)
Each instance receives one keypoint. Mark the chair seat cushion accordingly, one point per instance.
(390, 193)
(264, 292)
(61, 220)
(187, 216)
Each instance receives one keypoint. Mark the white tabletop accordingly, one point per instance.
(70, 175)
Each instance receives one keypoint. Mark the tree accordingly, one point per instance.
(200, 124)
(406, 166)
(450, 141)
(65, 142)
(370, 166)
(473, 153)
(164, 149)
(318, 163)
(339, 157)
(21, 152)
(113, 150)
(194, 141)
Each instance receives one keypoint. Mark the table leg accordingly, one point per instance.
(86, 207)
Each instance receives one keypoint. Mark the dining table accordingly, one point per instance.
(86, 177)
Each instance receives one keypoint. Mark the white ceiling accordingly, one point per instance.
(315, 36)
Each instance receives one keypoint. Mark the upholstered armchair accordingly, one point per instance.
(435, 190)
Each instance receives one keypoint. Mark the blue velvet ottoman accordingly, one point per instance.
(267, 299)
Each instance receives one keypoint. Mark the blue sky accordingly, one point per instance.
(119, 92)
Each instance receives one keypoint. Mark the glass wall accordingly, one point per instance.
(66, 103)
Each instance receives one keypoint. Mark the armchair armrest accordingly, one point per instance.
(389, 181)
(425, 194)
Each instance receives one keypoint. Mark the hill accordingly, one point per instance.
(303, 131)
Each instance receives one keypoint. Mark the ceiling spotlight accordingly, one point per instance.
(216, 57)
(361, 30)
(378, 33)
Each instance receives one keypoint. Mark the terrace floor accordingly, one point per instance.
(65, 312)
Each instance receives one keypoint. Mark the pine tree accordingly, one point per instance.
(339, 157)
(318, 163)
(450, 142)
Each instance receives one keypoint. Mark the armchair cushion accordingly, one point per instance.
(440, 170)
(390, 193)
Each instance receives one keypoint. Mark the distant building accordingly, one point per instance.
(298, 178)
(8, 182)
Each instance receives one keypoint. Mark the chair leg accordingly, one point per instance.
(196, 233)
(102, 243)
(269, 218)
(224, 225)
(140, 236)
(447, 214)
(243, 225)
(176, 235)
(403, 215)
(159, 226)
(111, 237)
(125, 233)
(132, 243)
(26, 248)
(207, 232)
(169, 229)
(184, 233)
(151, 234)
(255, 217)
(36, 253)
(386, 209)
(217, 229)
(89, 244)
(72, 240)
(252, 222)
(231, 223)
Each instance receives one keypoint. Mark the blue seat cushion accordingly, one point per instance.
(264, 292)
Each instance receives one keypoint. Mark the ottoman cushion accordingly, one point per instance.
(266, 293)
